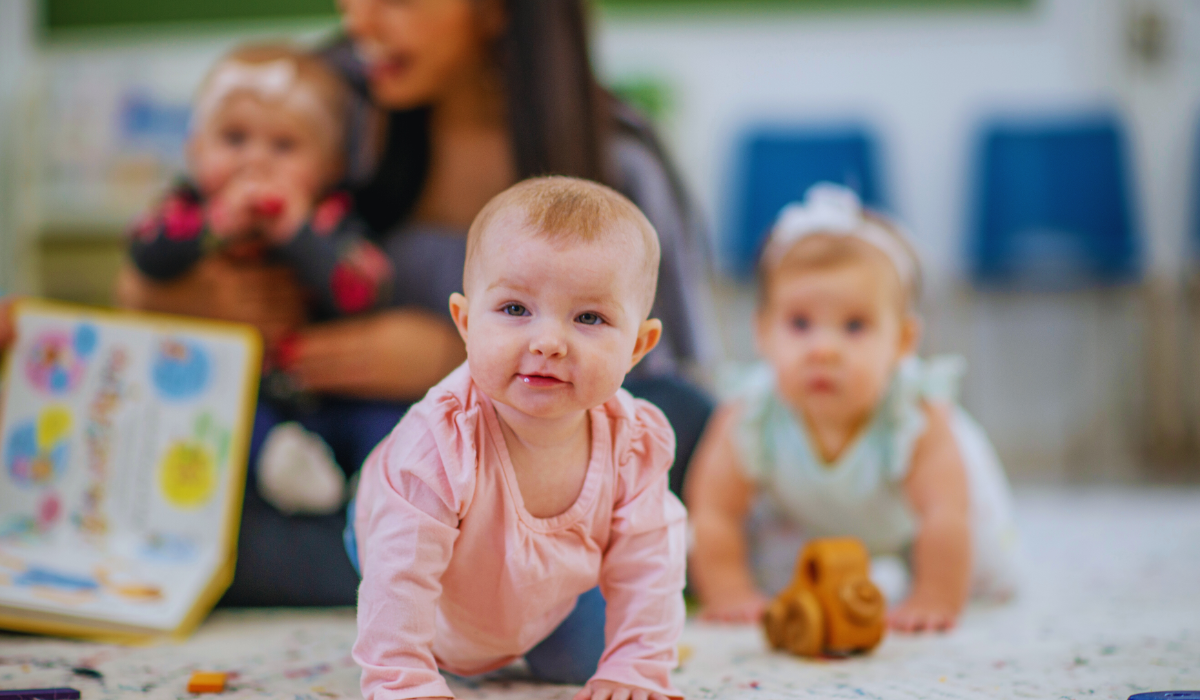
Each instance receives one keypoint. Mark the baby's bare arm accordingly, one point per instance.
(718, 495)
(936, 488)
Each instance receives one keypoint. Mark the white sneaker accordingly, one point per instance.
(297, 473)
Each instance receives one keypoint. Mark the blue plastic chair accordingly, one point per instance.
(1053, 206)
(778, 165)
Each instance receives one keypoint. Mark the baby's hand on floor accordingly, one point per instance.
(607, 690)
(747, 608)
(923, 615)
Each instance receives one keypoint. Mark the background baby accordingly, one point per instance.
(265, 155)
(844, 431)
(521, 509)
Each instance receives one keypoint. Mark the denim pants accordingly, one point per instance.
(570, 654)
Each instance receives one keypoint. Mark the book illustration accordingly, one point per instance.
(45, 516)
(188, 473)
(169, 548)
(181, 369)
(38, 450)
(123, 442)
(99, 435)
(72, 588)
(57, 359)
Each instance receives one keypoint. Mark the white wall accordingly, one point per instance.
(16, 58)
(924, 79)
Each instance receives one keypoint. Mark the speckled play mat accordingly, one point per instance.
(1112, 608)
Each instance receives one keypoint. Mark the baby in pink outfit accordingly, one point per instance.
(528, 478)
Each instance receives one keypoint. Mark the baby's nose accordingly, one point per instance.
(824, 345)
(548, 341)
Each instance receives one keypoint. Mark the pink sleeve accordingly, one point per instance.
(642, 575)
(409, 503)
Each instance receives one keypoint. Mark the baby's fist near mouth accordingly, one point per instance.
(269, 206)
(281, 214)
(608, 690)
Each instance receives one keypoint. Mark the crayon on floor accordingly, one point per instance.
(206, 682)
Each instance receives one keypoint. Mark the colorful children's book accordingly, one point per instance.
(123, 444)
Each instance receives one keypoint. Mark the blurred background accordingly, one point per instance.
(1044, 153)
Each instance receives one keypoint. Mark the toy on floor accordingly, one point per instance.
(831, 606)
(206, 682)
(40, 694)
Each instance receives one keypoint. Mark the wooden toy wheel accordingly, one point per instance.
(861, 600)
(794, 622)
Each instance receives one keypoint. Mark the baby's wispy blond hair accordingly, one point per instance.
(570, 211)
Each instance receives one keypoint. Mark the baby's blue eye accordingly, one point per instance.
(589, 319)
(515, 310)
(855, 325)
(800, 323)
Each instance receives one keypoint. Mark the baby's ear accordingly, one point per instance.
(910, 334)
(649, 333)
(458, 311)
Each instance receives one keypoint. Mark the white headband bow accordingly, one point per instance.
(837, 211)
(274, 80)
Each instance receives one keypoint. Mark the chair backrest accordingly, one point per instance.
(777, 165)
(1053, 205)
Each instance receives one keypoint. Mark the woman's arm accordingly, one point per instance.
(936, 488)
(718, 496)
(397, 354)
(266, 297)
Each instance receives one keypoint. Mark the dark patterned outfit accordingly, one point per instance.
(342, 270)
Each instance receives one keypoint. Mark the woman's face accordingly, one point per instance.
(416, 50)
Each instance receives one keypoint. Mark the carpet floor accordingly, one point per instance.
(1111, 608)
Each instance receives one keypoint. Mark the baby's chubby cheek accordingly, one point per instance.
(492, 357)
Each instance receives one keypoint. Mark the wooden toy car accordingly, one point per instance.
(831, 606)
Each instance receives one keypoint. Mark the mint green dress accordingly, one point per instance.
(861, 494)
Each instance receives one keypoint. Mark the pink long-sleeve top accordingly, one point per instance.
(458, 575)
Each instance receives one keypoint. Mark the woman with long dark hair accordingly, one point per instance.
(460, 99)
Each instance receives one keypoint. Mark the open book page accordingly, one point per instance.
(122, 459)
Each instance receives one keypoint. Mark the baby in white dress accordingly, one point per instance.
(845, 431)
